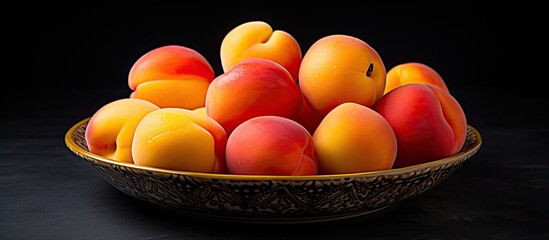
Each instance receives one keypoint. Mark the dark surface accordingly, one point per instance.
(80, 62)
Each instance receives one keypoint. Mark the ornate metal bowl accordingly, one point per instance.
(271, 199)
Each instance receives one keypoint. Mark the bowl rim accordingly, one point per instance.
(463, 153)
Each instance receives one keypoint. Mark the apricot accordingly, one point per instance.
(254, 87)
(257, 39)
(428, 122)
(111, 128)
(338, 69)
(354, 138)
(171, 76)
(271, 145)
(413, 72)
(180, 139)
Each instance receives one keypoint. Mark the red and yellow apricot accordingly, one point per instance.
(338, 69)
(171, 76)
(271, 145)
(254, 87)
(428, 122)
(110, 131)
(257, 39)
(354, 138)
(180, 139)
(413, 72)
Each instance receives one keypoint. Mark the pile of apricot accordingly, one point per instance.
(275, 111)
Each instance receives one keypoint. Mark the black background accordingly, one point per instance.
(90, 49)
(67, 61)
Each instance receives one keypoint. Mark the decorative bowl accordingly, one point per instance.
(271, 199)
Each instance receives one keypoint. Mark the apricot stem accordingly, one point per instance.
(370, 70)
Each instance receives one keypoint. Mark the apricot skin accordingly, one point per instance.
(188, 94)
(171, 76)
(354, 138)
(413, 72)
(428, 122)
(338, 69)
(110, 131)
(180, 139)
(271, 145)
(257, 39)
(171, 62)
(254, 87)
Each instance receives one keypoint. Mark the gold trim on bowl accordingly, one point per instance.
(273, 199)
